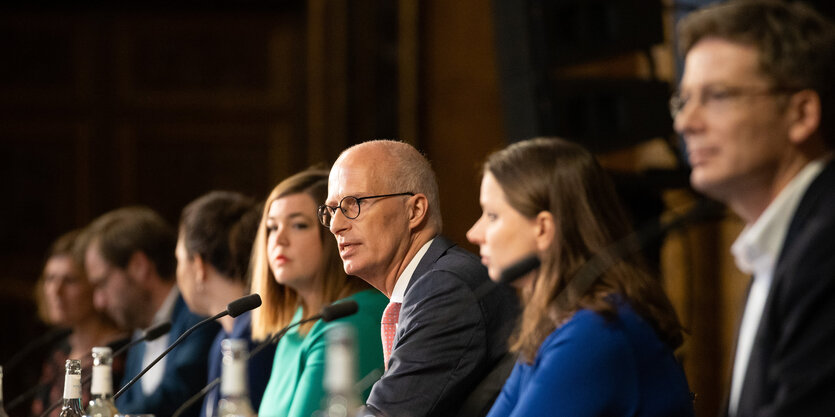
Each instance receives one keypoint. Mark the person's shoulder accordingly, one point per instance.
(451, 263)
(591, 329)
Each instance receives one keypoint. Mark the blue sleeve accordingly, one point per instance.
(585, 368)
(509, 395)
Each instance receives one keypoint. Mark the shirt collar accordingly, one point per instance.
(402, 283)
(758, 246)
(166, 310)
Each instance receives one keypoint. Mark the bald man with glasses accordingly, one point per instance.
(447, 325)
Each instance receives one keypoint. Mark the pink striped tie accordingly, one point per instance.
(388, 327)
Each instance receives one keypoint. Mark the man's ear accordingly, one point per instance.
(418, 210)
(804, 111)
(545, 230)
(199, 271)
(139, 267)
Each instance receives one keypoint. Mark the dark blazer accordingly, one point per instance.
(448, 337)
(185, 368)
(258, 367)
(792, 367)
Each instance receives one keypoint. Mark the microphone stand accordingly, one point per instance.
(327, 314)
(272, 339)
(234, 309)
(173, 345)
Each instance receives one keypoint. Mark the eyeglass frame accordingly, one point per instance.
(719, 93)
(331, 210)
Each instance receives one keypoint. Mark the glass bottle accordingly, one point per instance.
(341, 373)
(72, 390)
(2, 407)
(234, 394)
(101, 389)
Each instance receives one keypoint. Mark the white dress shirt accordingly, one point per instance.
(756, 251)
(399, 291)
(151, 380)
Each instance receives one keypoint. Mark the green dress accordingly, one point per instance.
(295, 386)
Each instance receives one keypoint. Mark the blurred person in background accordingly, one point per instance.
(755, 109)
(65, 299)
(297, 271)
(130, 260)
(213, 251)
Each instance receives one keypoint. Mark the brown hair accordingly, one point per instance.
(221, 227)
(557, 176)
(796, 44)
(280, 301)
(122, 232)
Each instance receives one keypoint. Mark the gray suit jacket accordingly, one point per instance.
(453, 328)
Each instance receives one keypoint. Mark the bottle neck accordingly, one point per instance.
(72, 387)
(74, 403)
(102, 385)
(233, 382)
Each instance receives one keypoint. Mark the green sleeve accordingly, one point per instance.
(310, 393)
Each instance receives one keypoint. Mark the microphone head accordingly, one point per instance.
(243, 304)
(339, 310)
(519, 269)
(157, 331)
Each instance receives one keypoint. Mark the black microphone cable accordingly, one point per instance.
(328, 313)
(233, 309)
(151, 333)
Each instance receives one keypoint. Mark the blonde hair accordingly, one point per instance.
(280, 301)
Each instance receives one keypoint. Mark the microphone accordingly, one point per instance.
(338, 310)
(519, 269)
(234, 309)
(150, 333)
(328, 313)
(243, 304)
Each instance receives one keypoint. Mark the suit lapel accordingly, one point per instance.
(438, 247)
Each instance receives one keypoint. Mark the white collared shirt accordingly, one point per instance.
(399, 291)
(756, 251)
(151, 380)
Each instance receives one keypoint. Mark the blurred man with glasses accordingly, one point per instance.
(756, 113)
(447, 325)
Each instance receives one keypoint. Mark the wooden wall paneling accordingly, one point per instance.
(408, 70)
(38, 66)
(460, 108)
(178, 162)
(284, 155)
(327, 90)
(39, 167)
(373, 69)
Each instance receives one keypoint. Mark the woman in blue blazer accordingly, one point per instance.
(605, 349)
